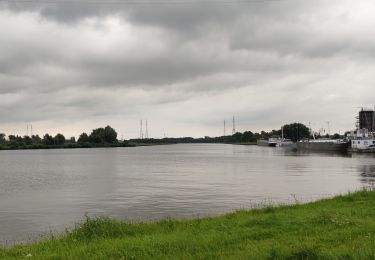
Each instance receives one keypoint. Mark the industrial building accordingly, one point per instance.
(365, 119)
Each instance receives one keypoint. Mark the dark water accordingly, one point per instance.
(49, 190)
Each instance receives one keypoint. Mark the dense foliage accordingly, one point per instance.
(296, 131)
(99, 137)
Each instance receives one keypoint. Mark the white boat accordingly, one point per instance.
(362, 141)
(283, 142)
(276, 141)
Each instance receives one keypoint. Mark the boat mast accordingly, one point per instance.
(311, 131)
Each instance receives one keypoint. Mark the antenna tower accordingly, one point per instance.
(225, 130)
(234, 126)
(141, 130)
(146, 129)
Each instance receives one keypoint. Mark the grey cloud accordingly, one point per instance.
(75, 61)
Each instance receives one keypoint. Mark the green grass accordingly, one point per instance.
(338, 228)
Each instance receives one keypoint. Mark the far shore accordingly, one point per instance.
(84, 146)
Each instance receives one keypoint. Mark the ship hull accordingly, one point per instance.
(310, 146)
(356, 150)
(262, 143)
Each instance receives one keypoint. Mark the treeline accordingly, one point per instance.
(107, 137)
(247, 136)
(294, 131)
(100, 137)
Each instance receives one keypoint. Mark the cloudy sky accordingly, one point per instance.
(184, 65)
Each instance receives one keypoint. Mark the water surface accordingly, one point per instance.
(49, 190)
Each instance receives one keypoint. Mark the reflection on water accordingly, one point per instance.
(368, 175)
(47, 190)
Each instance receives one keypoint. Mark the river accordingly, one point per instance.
(44, 191)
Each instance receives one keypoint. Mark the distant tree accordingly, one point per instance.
(59, 139)
(257, 136)
(2, 138)
(26, 140)
(247, 136)
(110, 135)
(15, 139)
(36, 139)
(237, 137)
(103, 135)
(83, 138)
(264, 135)
(296, 131)
(97, 136)
(48, 140)
(12, 138)
(275, 133)
(336, 136)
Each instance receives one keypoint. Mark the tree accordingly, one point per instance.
(296, 131)
(247, 136)
(83, 138)
(48, 140)
(97, 136)
(110, 135)
(27, 140)
(237, 137)
(2, 138)
(103, 135)
(36, 139)
(59, 139)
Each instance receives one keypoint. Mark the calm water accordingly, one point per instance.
(49, 190)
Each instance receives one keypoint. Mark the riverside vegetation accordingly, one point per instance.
(107, 137)
(342, 227)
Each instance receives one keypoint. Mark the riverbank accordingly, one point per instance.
(78, 146)
(88, 145)
(338, 228)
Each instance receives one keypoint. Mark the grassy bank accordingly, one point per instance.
(338, 228)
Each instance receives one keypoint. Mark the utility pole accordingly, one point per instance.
(146, 129)
(234, 126)
(329, 129)
(224, 129)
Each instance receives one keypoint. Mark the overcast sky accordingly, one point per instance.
(184, 65)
